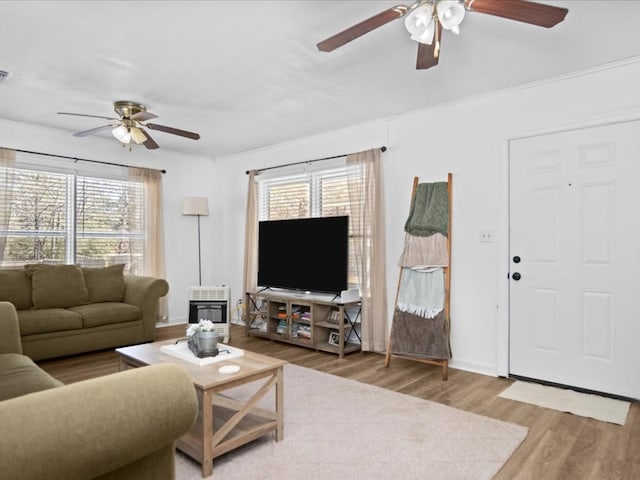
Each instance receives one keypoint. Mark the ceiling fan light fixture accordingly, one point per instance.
(426, 19)
(420, 24)
(426, 36)
(137, 136)
(122, 133)
(129, 128)
(450, 13)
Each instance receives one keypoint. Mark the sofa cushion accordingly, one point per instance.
(105, 284)
(19, 375)
(96, 314)
(57, 286)
(15, 287)
(47, 320)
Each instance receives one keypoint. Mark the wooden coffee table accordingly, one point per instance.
(223, 423)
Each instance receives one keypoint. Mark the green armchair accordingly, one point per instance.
(120, 426)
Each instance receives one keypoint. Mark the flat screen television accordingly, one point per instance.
(308, 254)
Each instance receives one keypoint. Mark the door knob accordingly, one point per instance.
(516, 259)
(516, 276)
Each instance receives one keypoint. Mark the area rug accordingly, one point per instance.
(565, 400)
(338, 428)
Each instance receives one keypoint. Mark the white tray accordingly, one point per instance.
(181, 351)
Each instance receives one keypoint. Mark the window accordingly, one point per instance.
(322, 193)
(62, 217)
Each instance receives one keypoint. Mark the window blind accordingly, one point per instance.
(67, 217)
(109, 222)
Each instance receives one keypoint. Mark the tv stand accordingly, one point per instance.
(324, 325)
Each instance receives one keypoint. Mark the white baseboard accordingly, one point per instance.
(474, 367)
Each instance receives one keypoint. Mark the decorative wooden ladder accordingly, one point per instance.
(444, 363)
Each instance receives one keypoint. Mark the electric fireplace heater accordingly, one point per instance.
(211, 303)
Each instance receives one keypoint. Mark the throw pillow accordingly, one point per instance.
(15, 287)
(57, 286)
(105, 284)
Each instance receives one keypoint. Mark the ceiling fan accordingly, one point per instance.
(129, 128)
(425, 20)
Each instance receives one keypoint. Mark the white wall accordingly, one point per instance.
(468, 138)
(186, 176)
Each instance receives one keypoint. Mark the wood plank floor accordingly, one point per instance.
(558, 446)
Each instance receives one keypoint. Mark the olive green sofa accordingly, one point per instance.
(119, 426)
(68, 309)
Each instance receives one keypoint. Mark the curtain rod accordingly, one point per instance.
(78, 159)
(382, 149)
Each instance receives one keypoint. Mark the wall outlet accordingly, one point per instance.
(486, 236)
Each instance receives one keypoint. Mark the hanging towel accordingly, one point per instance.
(428, 251)
(420, 337)
(421, 292)
(429, 212)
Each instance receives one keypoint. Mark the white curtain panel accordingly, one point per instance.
(154, 255)
(7, 162)
(250, 270)
(365, 194)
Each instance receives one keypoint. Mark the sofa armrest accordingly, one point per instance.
(93, 427)
(9, 329)
(144, 292)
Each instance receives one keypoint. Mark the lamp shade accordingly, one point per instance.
(419, 23)
(137, 135)
(450, 14)
(122, 133)
(195, 206)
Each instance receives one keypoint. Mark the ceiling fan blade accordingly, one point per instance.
(84, 133)
(174, 131)
(150, 143)
(85, 115)
(428, 55)
(361, 28)
(143, 116)
(519, 10)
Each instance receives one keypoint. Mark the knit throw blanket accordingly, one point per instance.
(429, 212)
(420, 337)
(421, 293)
(423, 252)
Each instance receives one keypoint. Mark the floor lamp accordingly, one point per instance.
(196, 206)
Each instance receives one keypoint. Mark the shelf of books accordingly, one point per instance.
(325, 325)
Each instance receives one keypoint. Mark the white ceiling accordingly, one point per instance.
(246, 74)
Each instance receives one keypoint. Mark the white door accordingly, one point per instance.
(574, 306)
